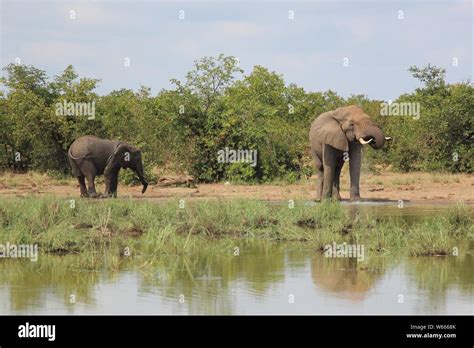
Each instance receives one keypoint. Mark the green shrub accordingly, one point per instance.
(183, 129)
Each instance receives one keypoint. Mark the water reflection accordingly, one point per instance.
(29, 285)
(259, 280)
(436, 276)
(344, 277)
(394, 210)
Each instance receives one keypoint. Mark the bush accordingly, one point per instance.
(240, 172)
(183, 129)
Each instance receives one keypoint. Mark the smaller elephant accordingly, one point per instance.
(90, 156)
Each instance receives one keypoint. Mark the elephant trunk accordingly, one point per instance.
(144, 183)
(141, 177)
(373, 135)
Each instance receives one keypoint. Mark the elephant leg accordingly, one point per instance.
(329, 167)
(114, 185)
(335, 190)
(328, 181)
(82, 185)
(354, 169)
(89, 170)
(111, 183)
(320, 179)
(91, 185)
(108, 179)
(320, 184)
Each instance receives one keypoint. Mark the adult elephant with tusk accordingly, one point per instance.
(337, 136)
(90, 156)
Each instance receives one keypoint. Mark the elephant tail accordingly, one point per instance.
(74, 158)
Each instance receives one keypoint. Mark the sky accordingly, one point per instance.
(350, 47)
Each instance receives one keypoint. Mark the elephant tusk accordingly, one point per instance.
(388, 138)
(363, 142)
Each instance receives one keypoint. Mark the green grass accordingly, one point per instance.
(402, 181)
(444, 178)
(97, 227)
(10, 180)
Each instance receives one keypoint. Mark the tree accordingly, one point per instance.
(39, 135)
(431, 76)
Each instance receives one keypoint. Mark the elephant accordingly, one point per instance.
(342, 277)
(337, 136)
(90, 156)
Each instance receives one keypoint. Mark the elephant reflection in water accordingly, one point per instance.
(342, 277)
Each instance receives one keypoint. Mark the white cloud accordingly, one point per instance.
(359, 29)
(90, 13)
(237, 29)
(58, 52)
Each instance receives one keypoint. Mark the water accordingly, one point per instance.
(263, 279)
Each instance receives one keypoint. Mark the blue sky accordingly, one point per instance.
(308, 50)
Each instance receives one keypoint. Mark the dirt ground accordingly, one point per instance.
(414, 187)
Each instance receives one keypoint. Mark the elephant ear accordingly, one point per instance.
(331, 133)
(116, 158)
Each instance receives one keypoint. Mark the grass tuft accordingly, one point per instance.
(95, 227)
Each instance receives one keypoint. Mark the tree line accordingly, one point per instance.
(218, 106)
